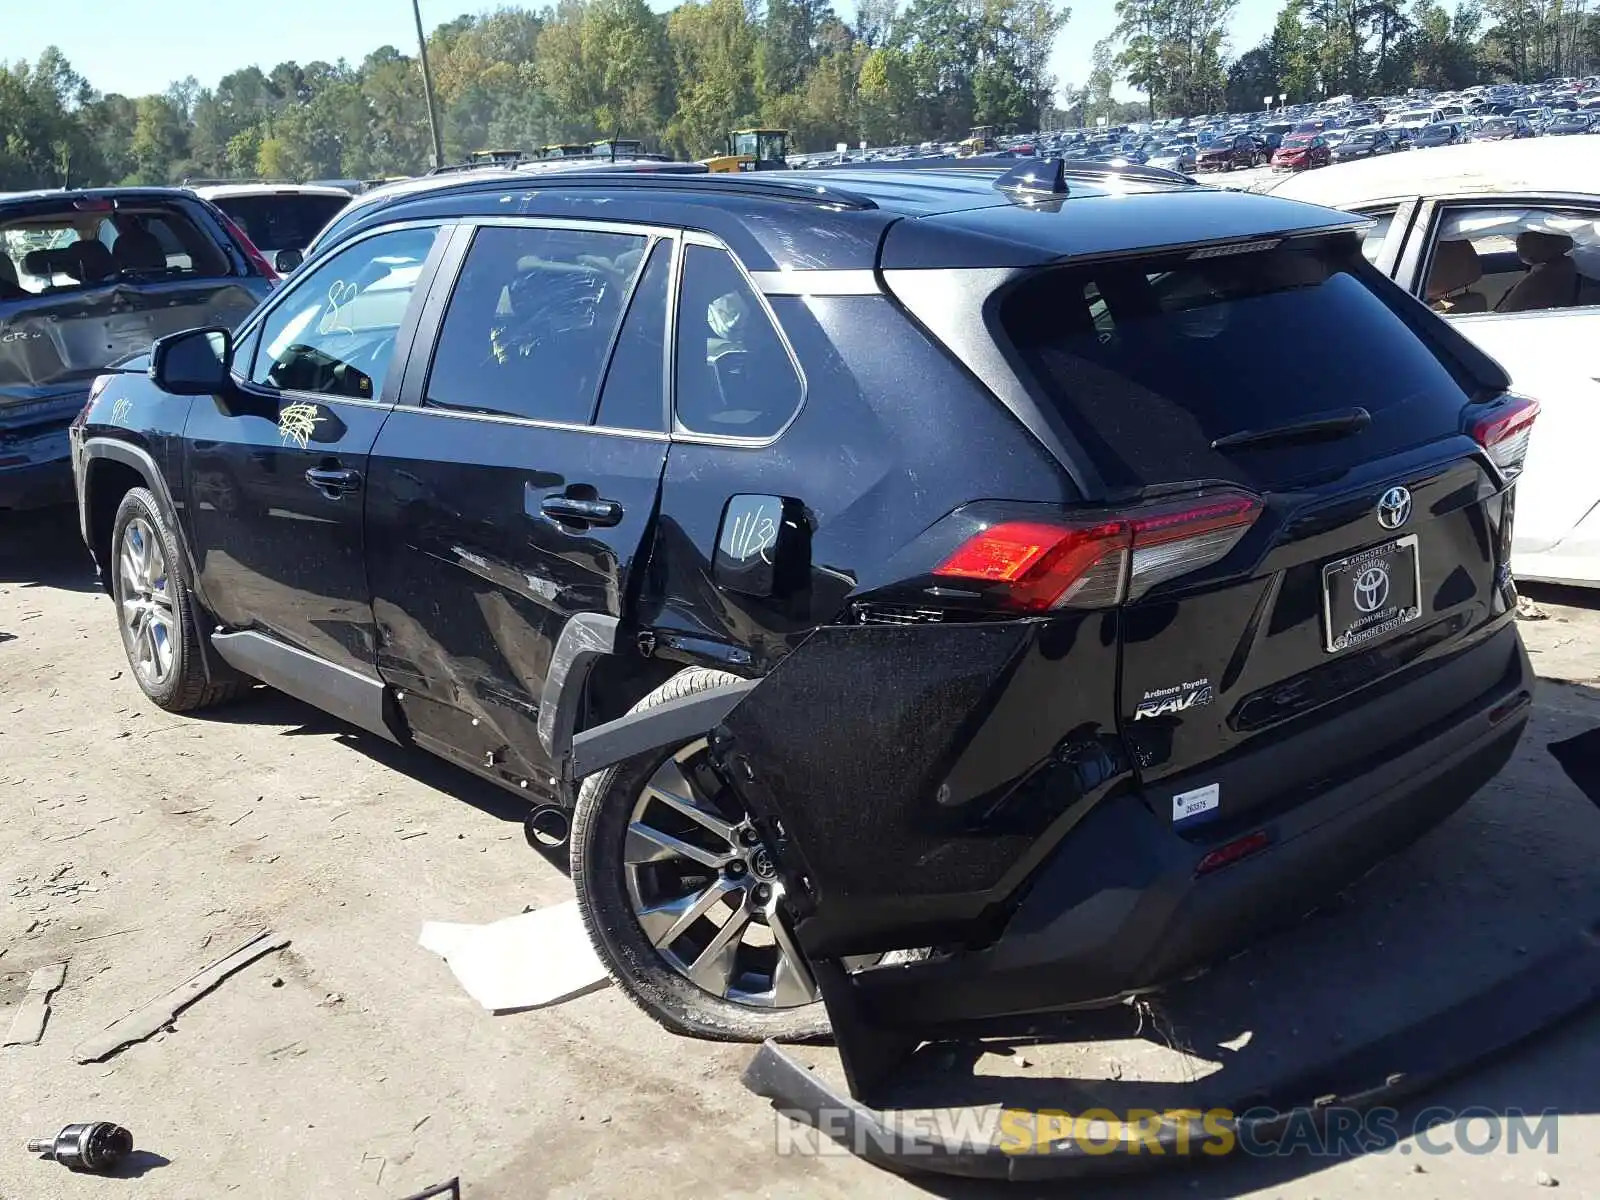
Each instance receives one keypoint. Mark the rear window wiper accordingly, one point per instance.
(1320, 427)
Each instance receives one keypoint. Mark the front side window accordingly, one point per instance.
(531, 322)
(1514, 259)
(734, 374)
(334, 332)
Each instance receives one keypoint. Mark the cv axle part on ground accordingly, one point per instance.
(88, 1146)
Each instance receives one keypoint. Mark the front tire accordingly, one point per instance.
(680, 898)
(155, 610)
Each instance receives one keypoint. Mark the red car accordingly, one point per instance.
(1227, 153)
(1300, 152)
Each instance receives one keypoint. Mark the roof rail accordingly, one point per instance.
(460, 168)
(1006, 164)
(762, 184)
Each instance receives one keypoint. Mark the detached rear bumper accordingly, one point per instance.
(1303, 1098)
(1122, 908)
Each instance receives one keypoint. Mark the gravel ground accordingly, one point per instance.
(139, 847)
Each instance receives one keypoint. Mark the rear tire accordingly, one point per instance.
(612, 895)
(156, 612)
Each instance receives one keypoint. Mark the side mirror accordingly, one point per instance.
(287, 260)
(196, 362)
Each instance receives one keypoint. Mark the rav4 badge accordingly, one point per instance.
(1176, 699)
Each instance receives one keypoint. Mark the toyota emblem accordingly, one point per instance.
(1371, 589)
(1394, 508)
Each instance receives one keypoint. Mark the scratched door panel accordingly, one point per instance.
(473, 580)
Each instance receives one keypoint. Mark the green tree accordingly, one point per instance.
(1252, 76)
(160, 139)
(713, 53)
(624, 49)
(109, 122)
(1443, 45)
(885, 96)
(1098, 98)
(274, 160)
(1174, 51)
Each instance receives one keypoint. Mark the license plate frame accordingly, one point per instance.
(1341, 634)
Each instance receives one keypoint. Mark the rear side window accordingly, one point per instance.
(735, 377)
(1149, 363)
(531, 322)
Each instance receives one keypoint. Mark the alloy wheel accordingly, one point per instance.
(147, 611)
(705, 889)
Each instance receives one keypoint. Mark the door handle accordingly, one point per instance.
(334, 482)
(569, 510)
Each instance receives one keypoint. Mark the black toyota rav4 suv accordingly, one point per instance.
(973, 591)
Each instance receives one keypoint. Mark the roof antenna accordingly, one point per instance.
(1034, 178)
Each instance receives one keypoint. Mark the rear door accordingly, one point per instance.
(1164, 370)
(517, 481)
(1523, 276)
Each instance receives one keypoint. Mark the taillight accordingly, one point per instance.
(1506, 431)
(1104, 560)
(257, 259)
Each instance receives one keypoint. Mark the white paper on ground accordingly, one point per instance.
(527, 961)
(442, 937)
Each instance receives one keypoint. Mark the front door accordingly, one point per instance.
(276, 471)
(516, 483)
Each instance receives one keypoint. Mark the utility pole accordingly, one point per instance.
(427, 87)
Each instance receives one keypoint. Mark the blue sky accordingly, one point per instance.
(139, 46)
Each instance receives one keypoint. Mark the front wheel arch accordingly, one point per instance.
(106, 482)
(112, 469)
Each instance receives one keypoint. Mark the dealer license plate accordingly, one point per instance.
(1371, 594)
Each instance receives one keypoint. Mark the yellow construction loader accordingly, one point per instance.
(753, 150)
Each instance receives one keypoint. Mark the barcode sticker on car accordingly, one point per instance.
(1192, 804)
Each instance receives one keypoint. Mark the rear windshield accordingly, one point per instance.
(1148, 363)
(82, 289)
(286, 222)
(43, 254)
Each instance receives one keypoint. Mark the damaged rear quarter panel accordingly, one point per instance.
(921, 772)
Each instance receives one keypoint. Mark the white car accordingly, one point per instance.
(1503, 239)
(280, 219)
